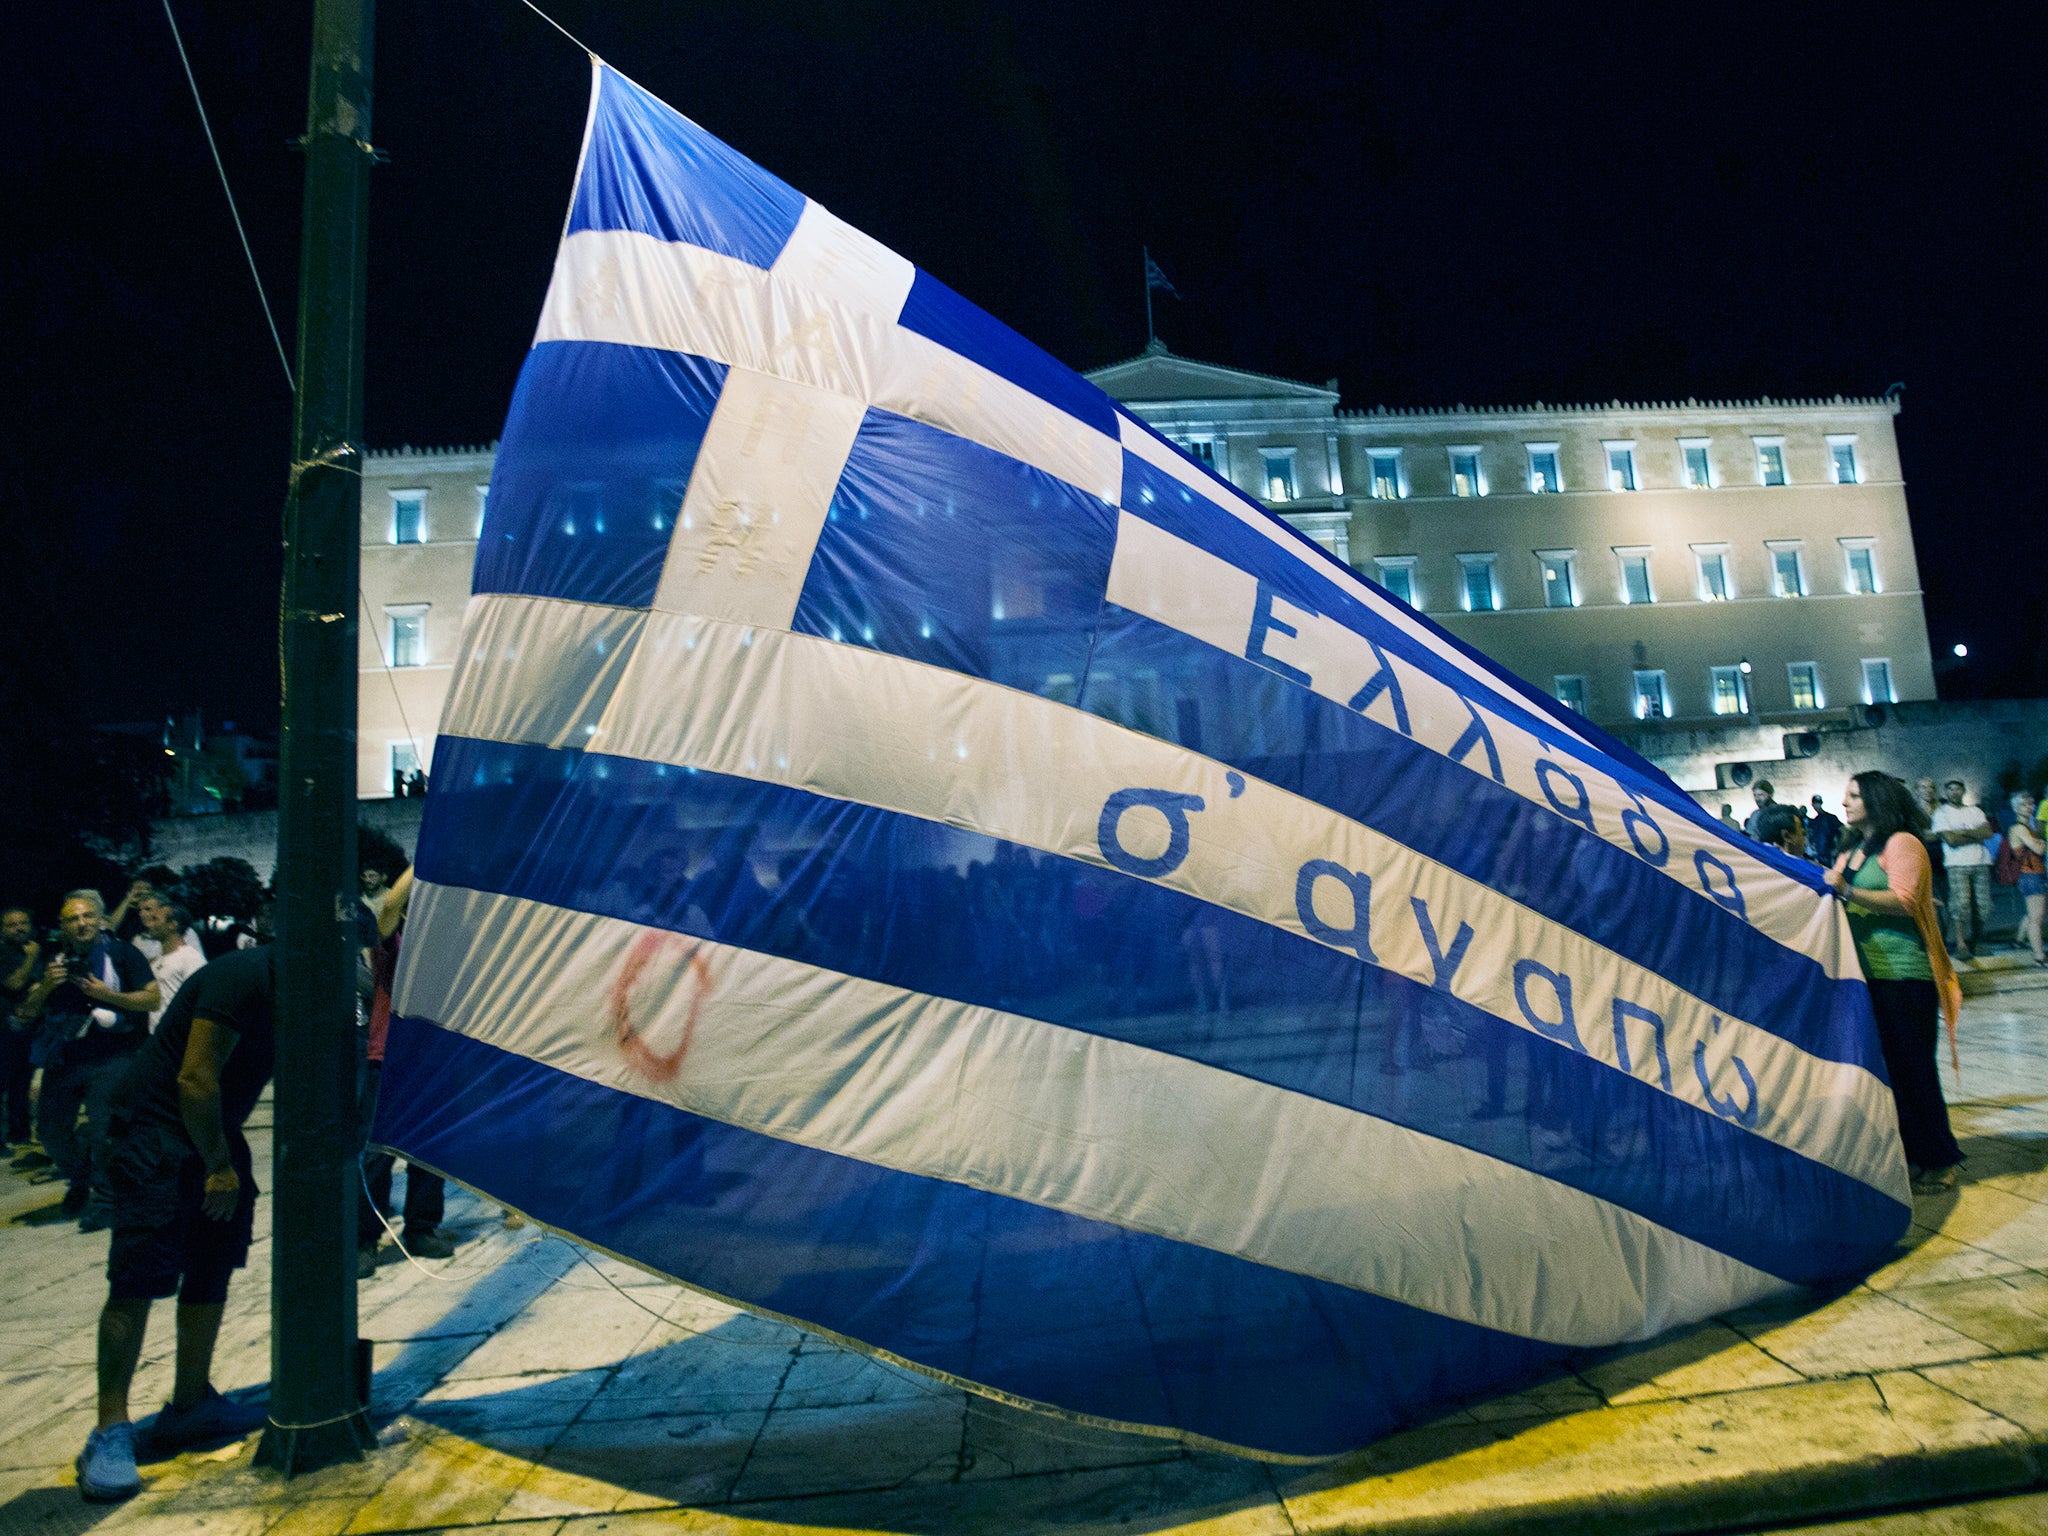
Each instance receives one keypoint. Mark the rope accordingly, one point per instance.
(263, 298)
(544, 16)
(419, 757)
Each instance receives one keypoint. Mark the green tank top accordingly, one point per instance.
(1890, 945)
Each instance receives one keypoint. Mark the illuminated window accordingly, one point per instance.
(408, 517)
(1465, 479)
(1280, 484)
(1861, 555)
(1804, 676)
(1543, 476)
(1621, 466)
(1729, 691)
(1571, 692)
(1788, 569)
(1635, 576)
(405, 762)
(1386, 474)
(1715, 587)
(1770, 461)
(1699, 469)
(1842, 459)
(408, 635)
(483, 496)
(1560, 577)
(1397, 575)
(1482, 593)
(1877, 681)
(1652, 698)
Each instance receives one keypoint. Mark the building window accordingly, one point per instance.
(1635, 575)
(1730, 691)
(405, 762)
(1699, 469)
(408, 635)
(1571, 692)
(408, 517)
(1861, 555)
(1804, 676)
(1386, 474)
(1465, 480)
(1201, 449)
(1482, 592)
(1543, 476)
(1280, 483)
(1877, 681)
(1332, 530)
(483, 496)
(1560, 577)
(1652, 698)
(1770, 461)
(1842, 459)
(1715, 586)
(1621, 466)
(1788, 569)
(1397, 575)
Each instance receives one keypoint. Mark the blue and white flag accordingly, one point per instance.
(914, 854)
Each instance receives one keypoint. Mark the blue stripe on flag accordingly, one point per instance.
(649, 169)
(913, 560)
(935, 311)
(939, 548)
(600, 834)
(589, 481)
(1143, 1330)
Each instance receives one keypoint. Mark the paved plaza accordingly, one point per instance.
(530, 1387)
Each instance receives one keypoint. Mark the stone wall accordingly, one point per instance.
(1974, 740)
(186, 840)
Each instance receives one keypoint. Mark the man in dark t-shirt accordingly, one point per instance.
(184, 1206)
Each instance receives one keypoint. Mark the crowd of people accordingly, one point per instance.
(133, 1056)
(1974, 845)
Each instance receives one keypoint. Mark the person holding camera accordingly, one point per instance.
(92, 1006)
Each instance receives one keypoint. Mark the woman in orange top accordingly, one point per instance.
(1884, 875)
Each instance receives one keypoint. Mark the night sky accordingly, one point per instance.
(1434, 204)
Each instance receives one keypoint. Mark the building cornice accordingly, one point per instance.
(1690, 408)
(387, 463)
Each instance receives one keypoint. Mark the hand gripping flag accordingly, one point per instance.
(914, 854)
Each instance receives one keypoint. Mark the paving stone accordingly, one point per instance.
(1005, 1442)
(1716, 1458)
(694, 1375)
(1862, 1331)
(2007, 1312)
(1935, 1257)
(2015, 1388)
(2024, 1515)
(478, 1405)
(662, 1458)
(448, 1480)
(1711, 1357)
(847, 1449)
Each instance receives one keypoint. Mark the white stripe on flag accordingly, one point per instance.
(878, 730)
(1076, 1122)
(763, 481)
(635, 290)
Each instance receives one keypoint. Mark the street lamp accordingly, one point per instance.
(1962, 649)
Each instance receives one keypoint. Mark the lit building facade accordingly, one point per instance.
(1676, 572)
(1657, 567)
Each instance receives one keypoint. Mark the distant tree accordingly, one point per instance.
(226, 888)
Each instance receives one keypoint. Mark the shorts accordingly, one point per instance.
(2033, 885)
(163, 1243)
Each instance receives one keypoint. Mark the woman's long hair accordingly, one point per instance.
(1888, 807)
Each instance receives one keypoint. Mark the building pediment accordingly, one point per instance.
(1156, 375)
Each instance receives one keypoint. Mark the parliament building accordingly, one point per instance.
(1663, 568)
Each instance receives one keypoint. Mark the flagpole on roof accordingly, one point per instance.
(318, 1381)
(1149, 337)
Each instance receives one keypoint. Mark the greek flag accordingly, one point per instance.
(914, 854)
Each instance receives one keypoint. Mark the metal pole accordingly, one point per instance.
(317, 1387)
(1149, 337)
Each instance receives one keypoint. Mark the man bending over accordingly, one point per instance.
(184, 1205)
